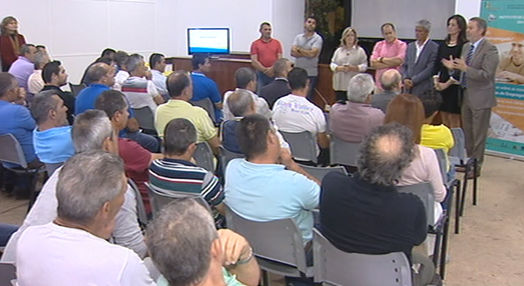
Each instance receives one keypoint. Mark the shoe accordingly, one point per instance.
(460, 169)
(471, 175)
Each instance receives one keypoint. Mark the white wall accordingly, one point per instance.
(468, 8)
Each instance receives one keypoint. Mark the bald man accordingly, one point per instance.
(391, 84)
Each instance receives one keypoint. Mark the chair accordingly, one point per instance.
(7, 273)
(452, 185)
(141, 210)
(343, 153)
(76, 88)
(336, 267)
(320, 172)
(226, 156)
(161, 197)
(277, 244)
(51, 168)
(459, 158)
(208, 105)
(145, 118)
(204, 156)
(303, 145)
(11, 152)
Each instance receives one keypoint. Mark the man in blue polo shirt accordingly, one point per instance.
(204, 87)
(102, 78)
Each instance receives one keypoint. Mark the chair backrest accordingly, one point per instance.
(204, 156)
(141, 210)
(425, 192)
(343, 153)
(303, 145)
(7, 273)
(76, 88)
(336, 267)
(277, 240)
(160, 197)
(11, 151)
(459, 149)
(226, 156)
(51, 167)
(442, 162)
(320, 172)
(145, 117)
(206, 104)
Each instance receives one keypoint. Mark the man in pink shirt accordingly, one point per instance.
(389, 53)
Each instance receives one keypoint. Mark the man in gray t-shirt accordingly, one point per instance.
(306, 48)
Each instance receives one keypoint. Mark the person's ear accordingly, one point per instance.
(217, 253)
(106, 144)
(191, 148)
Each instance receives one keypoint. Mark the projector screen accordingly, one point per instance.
(208, 40)
(369, 15)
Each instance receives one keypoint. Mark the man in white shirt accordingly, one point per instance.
(92, 131)
(294, 113)
(35, 83)
(157, 63)
(73, 248)
(140, 91)
(246, 79)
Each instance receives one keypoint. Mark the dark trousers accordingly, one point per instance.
(262, 80)
(312, 86)
(149, 142)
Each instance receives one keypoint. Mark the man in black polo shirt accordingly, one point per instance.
(365, 213)
(55, 76)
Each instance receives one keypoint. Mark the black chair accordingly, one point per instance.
(76, 88)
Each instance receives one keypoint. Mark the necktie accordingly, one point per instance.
(464, 81)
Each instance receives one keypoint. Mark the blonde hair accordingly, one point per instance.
(345, 34)
(5, 22)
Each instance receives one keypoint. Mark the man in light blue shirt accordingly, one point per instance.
(52, 137)
(259, 189)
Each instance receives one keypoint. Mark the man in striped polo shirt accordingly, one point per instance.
(176, 172)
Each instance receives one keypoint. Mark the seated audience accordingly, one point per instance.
(351, 121)
(108, 53)
(35, 82)
(73, 249)
(157, 63)
(434, 136)
(280, 86)
(194, 253)
(391, 82)
(24, 66)
(139, 91)
(180, 90)
(246, 80)
(41, 49)
(106, 60)
(102, 77)
(52, 136)
(177, 173)
(258, 188)
(55, 76)
(92, 131)
(425, 166)
(294, 113)
(121, 75)
(364, 213)
(136, 158)
(204, 87)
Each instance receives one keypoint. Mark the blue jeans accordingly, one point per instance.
(149, 142)
(262, 80)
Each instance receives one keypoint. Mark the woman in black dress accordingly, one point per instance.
(447, 81)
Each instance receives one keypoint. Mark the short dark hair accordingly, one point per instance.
(26, 48)
(105, 60)
(252, 134)
(120, 58)
(481, 23)
(107, 52)
(7, 81)
(198, 59)
(385, 25)
(111, 101)
(297, 78)
(313, 17)
(431, 100)
(42, 103)
(40, 47)
(177, 82)
(154, 59)
(178, 135)
(264, 24)
(243, 76)
(49, 70)
(280, 66)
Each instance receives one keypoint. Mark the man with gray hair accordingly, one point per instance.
(92, 131)
(73, 249)
(366, 214)
(194, 253)
(24, 66)
(246, 80)
(35, 82)
(140, 91)
(52, 136)
(391, 82)
(280, 86)
(418, 68)
(351, 121)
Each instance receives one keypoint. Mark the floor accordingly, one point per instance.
(490, 247)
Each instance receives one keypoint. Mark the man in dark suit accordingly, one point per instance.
(279, 87)
(478, 64)
(418, 68)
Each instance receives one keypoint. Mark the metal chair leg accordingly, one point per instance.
(444, 249)
(457, 206)
(475, 170)
(464, 190)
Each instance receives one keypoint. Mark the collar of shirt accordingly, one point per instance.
(477, 43)
(175, 102)
(423, 44)
(198, 74)
(99, 85)
(281, 78)
(264, 41)
(312, 36)
(22, 58)
(179, 161)
(156, 72)
(250, 92)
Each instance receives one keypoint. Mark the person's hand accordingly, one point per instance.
(21, 94)
(439, 86)
(149, 75)
(452, 80)
(448, 63)
(460, 64)
(509, 75)
(235, 247)
(408, 83)
(269, 72)
(285, 157)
